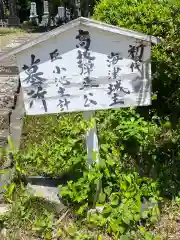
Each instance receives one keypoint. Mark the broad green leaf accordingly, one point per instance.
(107, 209)
(114, 198)
(108, 190)
(102, 197)
(100, 237)
(124, 237)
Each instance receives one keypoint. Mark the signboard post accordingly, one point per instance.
(91, 140)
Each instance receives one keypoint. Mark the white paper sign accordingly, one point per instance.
(85, 69)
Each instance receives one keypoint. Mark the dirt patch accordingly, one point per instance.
(169, 225)
(8, 37)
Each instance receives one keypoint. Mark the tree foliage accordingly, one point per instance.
(86, 5)
(23, 4)
(23, 8)
(161, 19)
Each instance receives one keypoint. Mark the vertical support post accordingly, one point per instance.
(93, 150)
(91, 140)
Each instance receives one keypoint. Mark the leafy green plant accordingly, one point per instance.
(147, 235)
(120, 198)
(43, 225)
(3, 156)
(154, 153)
(33, 215)
(9, 191)
(74, 233)
(60, 151)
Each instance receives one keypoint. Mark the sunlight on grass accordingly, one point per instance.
(6, 30)
(8, 34)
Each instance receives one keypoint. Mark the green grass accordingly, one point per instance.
(38, 128)
(50, 147)
(10, 30)
(32, 218)
(3, 156)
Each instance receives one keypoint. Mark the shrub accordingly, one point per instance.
(161, 19)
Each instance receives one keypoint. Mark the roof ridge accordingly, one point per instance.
(74, 23)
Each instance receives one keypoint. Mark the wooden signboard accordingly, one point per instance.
(85, 69)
